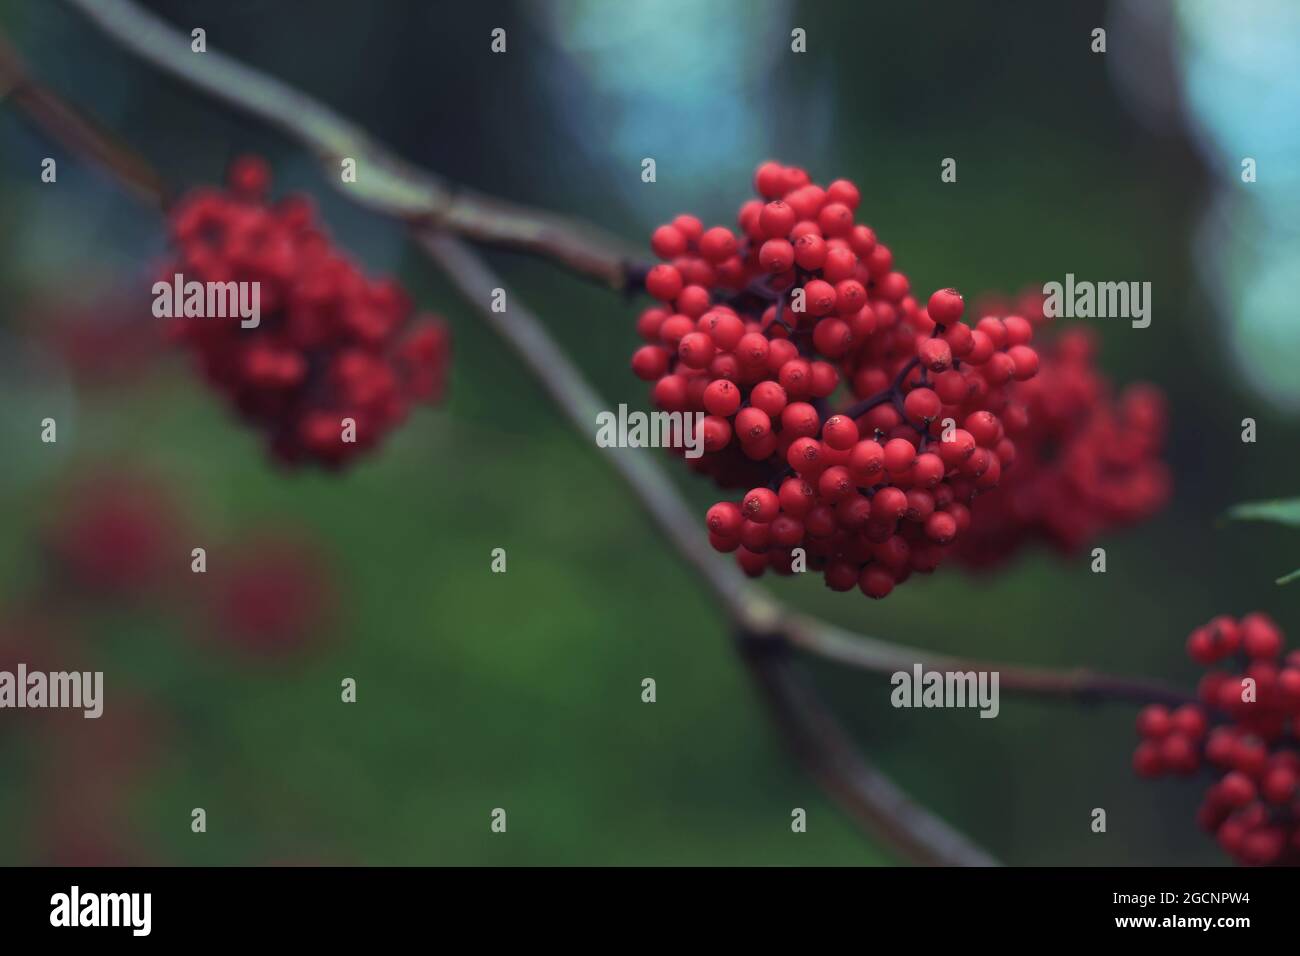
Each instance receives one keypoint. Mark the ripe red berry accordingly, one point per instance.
(810, 251)
(819, 297)
(876, 582)
(888, 504)
(768, 396)
(1153, 721)
(664, 282)
(724, 519)
(1260, 637)
(796, 496)
(776, 220)
(844, 192)
(776, 256)
(696, 350)
(752, 424)
(956, 447)
(650, 362)
(835, 483)
(761, 505)
(718, 244)
(835, 219)
(1024, 361)
(935, 354)
(899, 455)
(922, 405)
(722, 397)
(840, 432)
(805, 455)
(800, 419)
(668, 242)
(867, 461)
(946, 306)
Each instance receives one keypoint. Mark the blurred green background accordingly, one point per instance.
(522, 690)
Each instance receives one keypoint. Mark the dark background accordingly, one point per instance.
(522, 690)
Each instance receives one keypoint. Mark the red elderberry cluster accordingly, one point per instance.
(758, 331)
(1088, 462)
(331, 344)
(1243, 732)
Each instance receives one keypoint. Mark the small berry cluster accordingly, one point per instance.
(1087, 462)
(1244, 729)
(120, 536)
(331, 345)
(757, 331)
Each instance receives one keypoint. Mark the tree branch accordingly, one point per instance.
(384, 182)
(72, 130)
(819, 740)
(768, 630)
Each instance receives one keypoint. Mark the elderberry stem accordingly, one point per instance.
(891, 394)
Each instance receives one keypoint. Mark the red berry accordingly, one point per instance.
(876, 582)
(946, 306)
(768, 396)
(835, 219)
(752, 424)
(922, 405)
(840, 433)
(899, 455)
(761, 505)
(843, 191)
(810, 251)
(1260, 637)
(776, 255)
(867, 461)
(776, 220)
(941, 527)
(668, 242)
(935, 354)
(722, 398)
(1153, 721)
(800, 419)
(696, 350)
(724, 519)
(664, 282)
(718, 244)
(797, 497)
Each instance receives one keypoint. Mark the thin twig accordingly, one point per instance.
(818, 739)
(73, 131)
(822, 639)
(869, 797)
(384, 182)
(414, 196)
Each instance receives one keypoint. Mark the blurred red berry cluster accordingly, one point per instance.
(122, 536)
(1242, 729)
(331, 344)
(123, 539)
(1089, 460)
(758, 330)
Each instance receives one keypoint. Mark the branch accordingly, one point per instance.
(385, 183)
(73, 131)
(768, 629)
(817, 737)
(822, 639)
(870, 798)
